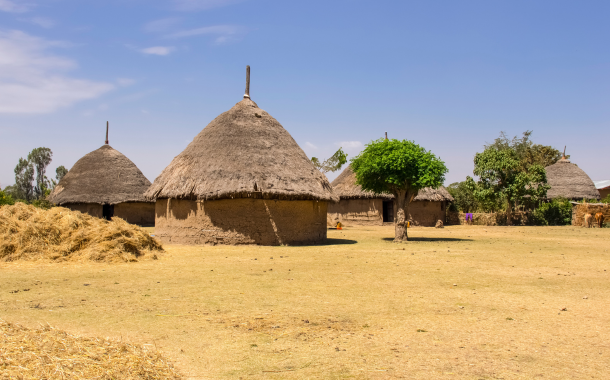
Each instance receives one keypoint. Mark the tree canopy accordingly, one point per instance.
(400, 167)
(332, 164)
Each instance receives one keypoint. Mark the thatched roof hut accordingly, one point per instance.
(217, 190)
(359, 207)
(569, 181)
(104, 184)
(104, 176)
(345, 187)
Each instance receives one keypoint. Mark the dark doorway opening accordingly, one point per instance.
(388, 211)
(107, 211)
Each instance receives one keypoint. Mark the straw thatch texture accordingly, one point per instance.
(47, 353)
(345, 187)
(102, 176)
(60, 234)
(579, 210)
(569, 181)
(243, 153)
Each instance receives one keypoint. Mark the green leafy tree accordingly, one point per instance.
(6, 199)
(60, 172)
(557, 212)
(526, 151)
(401, 168)
(332, 164)
(501, 177)
(24, 176)
(40, 158)
(463, 195)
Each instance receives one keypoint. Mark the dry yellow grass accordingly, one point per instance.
(47, 353)
(30, 233)
(455, 303)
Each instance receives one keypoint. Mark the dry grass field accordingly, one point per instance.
(454, 303)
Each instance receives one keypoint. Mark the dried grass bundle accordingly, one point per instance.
(47, 353)
(30, 233)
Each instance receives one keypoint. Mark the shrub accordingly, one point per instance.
(6, 199)
(557, 212)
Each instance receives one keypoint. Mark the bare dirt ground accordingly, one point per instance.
(454, 303)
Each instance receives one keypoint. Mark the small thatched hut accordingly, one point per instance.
(105, 183)
(569, 181)
(358, 207)
(242, 180)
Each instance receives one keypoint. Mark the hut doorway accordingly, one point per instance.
(107, 211)
(388, 211)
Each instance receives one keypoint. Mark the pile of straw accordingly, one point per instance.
(60, 234)
(47, 353)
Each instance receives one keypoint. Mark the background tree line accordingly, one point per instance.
(31, 182)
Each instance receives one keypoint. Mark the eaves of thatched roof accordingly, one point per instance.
(104, 176)
(243, 153)
(345, 187)
(569, 181)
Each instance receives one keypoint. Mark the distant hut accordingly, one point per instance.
(603, 187)
(358, 207)
(569, 181)
(104, 184)
(242, 180)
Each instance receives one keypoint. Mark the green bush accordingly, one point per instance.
(606, 200)
(557, 212)
(6, 199)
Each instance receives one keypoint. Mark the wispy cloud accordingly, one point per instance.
(158, 50)
(13, 6)
(200, 5)
(350, 144)
(43, 22)
(159, 26)
(310, 145)
(223, 33)
(125, 82)
(33, 80)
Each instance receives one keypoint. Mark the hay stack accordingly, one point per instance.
(242, 180)
(47, 353)
(60, 234)
(569, 181)
(105, 177)
(579, 211)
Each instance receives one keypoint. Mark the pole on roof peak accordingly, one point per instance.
(564, 152)
(106, 133)
(386, 135)
(247, 94)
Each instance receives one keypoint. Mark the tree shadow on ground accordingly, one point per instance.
(330, 241)
(430, 239)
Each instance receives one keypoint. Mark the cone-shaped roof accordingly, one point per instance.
(345, 187)
(569, 181)
(243, 153)
(102, 176)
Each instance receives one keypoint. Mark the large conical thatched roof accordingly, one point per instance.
(345, 187)
(102, 176)
(569, 181)
(243, 153)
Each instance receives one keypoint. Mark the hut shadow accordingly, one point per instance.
(429, 239)
(333, 241)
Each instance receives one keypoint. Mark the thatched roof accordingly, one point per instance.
(569, 181)
(346, 188)
(243, 153)
(102, 176)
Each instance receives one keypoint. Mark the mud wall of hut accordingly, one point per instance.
(426, 213)
(603, 193)
(356, 212)
(93, 209)
(241, 221)
(140, 213)
(579, 212)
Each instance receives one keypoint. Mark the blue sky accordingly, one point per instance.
(449, 75)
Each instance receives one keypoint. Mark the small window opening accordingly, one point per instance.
(107, 211)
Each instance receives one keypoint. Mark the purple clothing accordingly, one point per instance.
(468, 216)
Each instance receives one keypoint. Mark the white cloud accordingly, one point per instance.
(224, 33)
(13, 7)
(310, 145)
(160, 25)
(33, 80)
(351, 145)
(158, 50)
(200, 5)
(43, 22)
(124, 82)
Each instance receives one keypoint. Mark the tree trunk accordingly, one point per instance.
(401, 211)
(509, 214)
